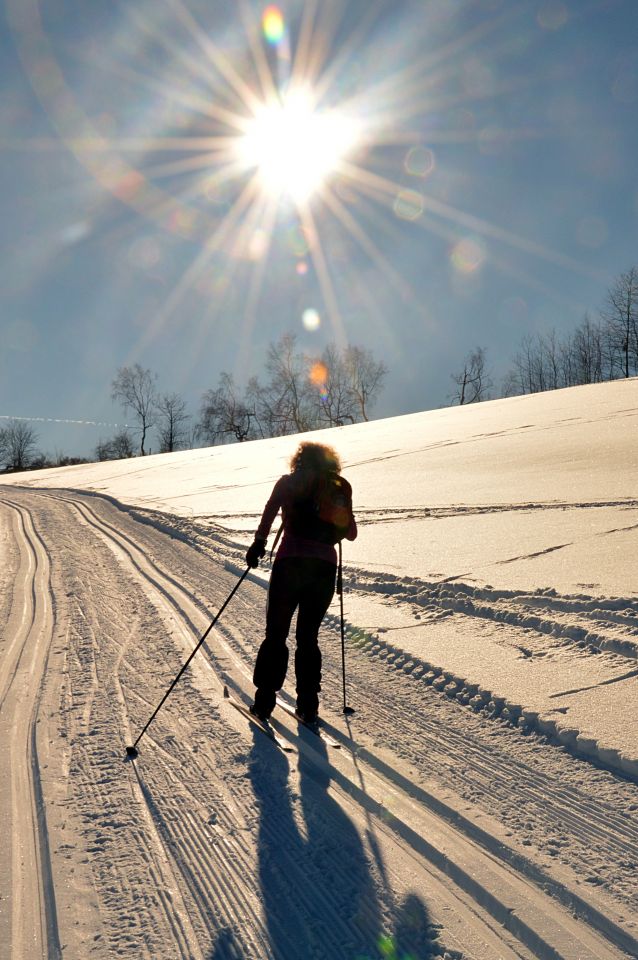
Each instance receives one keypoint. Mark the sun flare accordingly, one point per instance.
(294, 147)
(320, 127)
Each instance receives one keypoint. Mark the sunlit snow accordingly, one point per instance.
(497, 545)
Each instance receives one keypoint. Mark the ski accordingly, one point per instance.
(315, 728)
(262, 725)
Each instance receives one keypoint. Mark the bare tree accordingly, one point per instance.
(117, 447)
(611, 361)
(621, 313)
(172, 422)
(335, 400)
(301, 393)
(472, 382)
(287, 395)
(135, 389)
(542, 363)
(224, 413)
(257, 403)
(193, 437)
(366, 378)
(305, 394)
(520, 376)
(596, 350)
(587, 354)
(546, 363)
(18, 445)
(103, 450)
(122, 444)
(552, 349)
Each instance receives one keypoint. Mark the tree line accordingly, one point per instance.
(597, 350)
(299, 393)
(296, 393)
(18, 441)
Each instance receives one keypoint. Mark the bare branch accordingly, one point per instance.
(135, 389)
(18, 445)
(473, 383)
(172, 422)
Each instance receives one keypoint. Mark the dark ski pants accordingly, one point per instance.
(307, 585)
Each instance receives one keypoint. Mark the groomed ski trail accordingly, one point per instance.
(28, 919)
(481, 900)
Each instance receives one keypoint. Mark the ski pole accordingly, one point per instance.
(347, 710)
(132, 750)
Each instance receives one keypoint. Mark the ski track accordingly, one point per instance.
(585, 622)
(182, 861)
(28, 920)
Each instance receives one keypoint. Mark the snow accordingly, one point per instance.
(517, 517)
(483, 802)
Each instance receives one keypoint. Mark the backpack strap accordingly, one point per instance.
(276, 540)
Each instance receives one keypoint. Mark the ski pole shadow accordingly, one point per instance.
(413, 936)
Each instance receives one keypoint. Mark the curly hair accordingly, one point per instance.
(316, 457)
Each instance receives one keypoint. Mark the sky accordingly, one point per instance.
(183, 182)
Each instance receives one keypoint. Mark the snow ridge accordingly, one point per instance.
(616, 618)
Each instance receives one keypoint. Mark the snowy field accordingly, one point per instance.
(498, 544)
(481, 803)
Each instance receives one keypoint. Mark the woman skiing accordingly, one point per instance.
(316, 505)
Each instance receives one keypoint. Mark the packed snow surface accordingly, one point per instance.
(497, 543)
(482, 800)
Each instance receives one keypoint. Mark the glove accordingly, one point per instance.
(255, 552)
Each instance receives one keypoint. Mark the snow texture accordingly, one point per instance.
(484, 800)
(497, 546)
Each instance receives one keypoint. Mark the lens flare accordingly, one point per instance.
(312, 321)
(468, 255)
(419, 162)
(319, 376)
(128, 185)
(298, 113)
(408, 205)
(387, 947)
(272, 23)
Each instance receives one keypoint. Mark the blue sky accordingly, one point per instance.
(488, 190)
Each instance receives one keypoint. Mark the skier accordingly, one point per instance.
(316, 505)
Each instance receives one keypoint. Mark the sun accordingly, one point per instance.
(294, 147)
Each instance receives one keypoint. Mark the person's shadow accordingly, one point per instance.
(324, 894)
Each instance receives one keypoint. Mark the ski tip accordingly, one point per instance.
(131, 753)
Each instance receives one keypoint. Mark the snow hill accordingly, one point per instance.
(496, 558)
